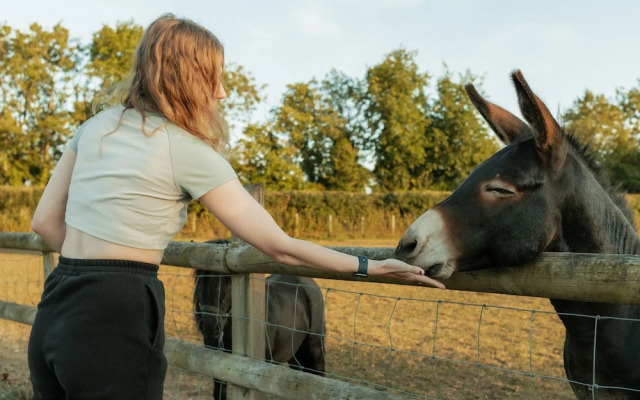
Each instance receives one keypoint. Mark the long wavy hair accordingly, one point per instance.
(176, 72)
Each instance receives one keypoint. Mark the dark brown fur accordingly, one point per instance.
(294, 314)
(560, 202)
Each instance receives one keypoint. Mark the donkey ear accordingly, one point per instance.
(550, 139)
(507, 126)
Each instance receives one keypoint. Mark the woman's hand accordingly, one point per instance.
(399, 269)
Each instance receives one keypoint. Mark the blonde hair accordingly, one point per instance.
(176, 73)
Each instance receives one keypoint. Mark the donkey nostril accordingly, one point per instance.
(406, 247)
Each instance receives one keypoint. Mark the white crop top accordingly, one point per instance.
(132, 189)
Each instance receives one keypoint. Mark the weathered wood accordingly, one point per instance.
(279, 381)
(393, 224)
(206, 256)
(23, 241)
(248, 309)
(49, 260)
(248, 332)
(586, 277)
(571, 276)
(17, 312)
(612, 278)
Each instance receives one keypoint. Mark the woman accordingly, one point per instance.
(118, 196)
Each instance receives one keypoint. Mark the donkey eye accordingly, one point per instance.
(500, 191)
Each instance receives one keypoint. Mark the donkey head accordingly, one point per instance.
(213, 302)
(505, 212)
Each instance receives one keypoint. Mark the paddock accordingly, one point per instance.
(588, 277)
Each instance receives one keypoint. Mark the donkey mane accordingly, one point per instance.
(587, 155)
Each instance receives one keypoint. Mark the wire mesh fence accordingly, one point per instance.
(422, 343)
(405, 341)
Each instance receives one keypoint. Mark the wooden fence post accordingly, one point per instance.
(330, 225)
(248, 310)
(393, 225)
(194, 223)
(48, 261)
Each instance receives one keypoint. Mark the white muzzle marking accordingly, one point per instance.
(433, 244)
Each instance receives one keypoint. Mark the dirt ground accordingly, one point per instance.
(415, 341)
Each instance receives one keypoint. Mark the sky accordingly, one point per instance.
(562, 47)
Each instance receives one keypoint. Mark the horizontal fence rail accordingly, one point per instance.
(612, 278)
(570, 276)
(267, 378)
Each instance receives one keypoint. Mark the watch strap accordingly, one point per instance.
(363, 267)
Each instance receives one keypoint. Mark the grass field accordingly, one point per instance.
(416, 341)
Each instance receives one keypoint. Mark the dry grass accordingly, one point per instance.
(420, 342)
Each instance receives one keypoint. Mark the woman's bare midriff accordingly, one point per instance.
(78, 244)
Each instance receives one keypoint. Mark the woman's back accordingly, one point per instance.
(131, 185)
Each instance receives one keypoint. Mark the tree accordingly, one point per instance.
(396, 108)
(345, 95)
(47, 85)
(37, 69)
(315, 127)
(263, 157)
(111, 52)
(14, 167)
(610, 129)
(243, 95)
(308, 141)
(108, 59)
(630, 104)
(457, 138)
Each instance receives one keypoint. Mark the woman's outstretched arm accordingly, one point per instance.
(247, 219)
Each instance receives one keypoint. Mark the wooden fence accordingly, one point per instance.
(570, 276)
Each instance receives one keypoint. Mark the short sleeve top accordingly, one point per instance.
(133, 188)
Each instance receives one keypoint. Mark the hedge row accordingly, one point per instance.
(325, 215)
(313, 215)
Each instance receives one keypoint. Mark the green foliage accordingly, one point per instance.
(47, 86)
(353, 215)
(110, 58)
(37, 69)
(17, 205)
(389, 131)
(421, 143)
(457, 139)
(396, 110)
(315, 127)
(611, 130)
(633, 201)
(111, 52)
(262, 156)
(243, 94)
(307, 142)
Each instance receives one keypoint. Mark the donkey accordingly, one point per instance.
(294, 320)
(542, 192)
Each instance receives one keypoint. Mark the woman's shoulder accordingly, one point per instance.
(115, 111)
(184, 137)
(189, 148)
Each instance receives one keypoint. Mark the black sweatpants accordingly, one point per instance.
(99, 332)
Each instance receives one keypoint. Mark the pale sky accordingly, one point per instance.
(562, 47)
